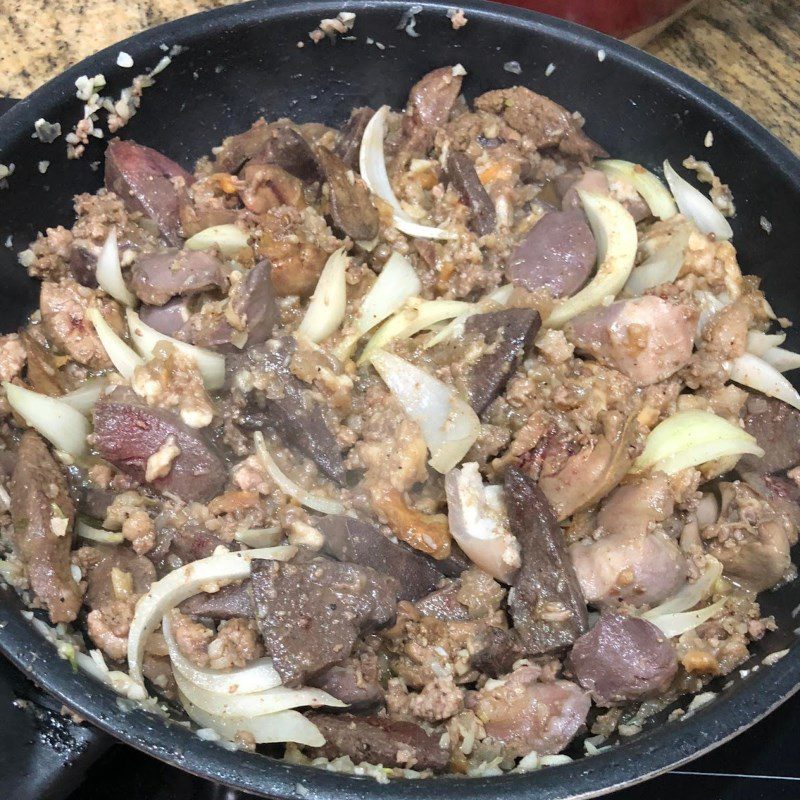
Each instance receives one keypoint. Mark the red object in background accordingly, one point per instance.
(624, 19)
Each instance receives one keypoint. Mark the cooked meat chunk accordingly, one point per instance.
(359, 542)
(128, 434)
(42, 513)
(622, 659)
(557, 254)
(149, 182)
(527, 715)
(776, 427)
(355, 682)
(463, 176)
(228, 602)
(310, 614)
(378, 740)
(648, 339)
(640, 569)
(181, 544)
(268, 186)
(432, 98)
(349, 143)
(287, 406)
(506, 336)
(443, 604)
(636, 507)
(546, 603)
(168, 319)
(253, 302)
(351, 205)
(157, 277)
(547, 123)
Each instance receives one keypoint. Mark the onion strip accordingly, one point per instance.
(672, 625)
(228, 238)
(259, 537)
(690, 594)
(372, 165)
(282, 726)
(497, 298)
(615, 232)
(324, 505)
(661, 267)
(86, 395)
(182, 583)
(210, 364)
(64, 427)
(696, 206)
(123, 357)
(756, 373)
(782, 360)
(109, 272)
(654, 193)
(327, 306)
(758, 343)
(85, 531)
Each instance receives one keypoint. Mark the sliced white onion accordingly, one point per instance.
(756, 373)
(257, 676)
(228, 238)
(397, 283)
(64, 427)
(691, 438)
(182, 583)
(86, 395)
(651, 189)
(672, 625)
(710, 305)
(327, 306)
(758, 342)
(478, 520)
(372, 164)
(782, 360)
(100, 535)
(255, 704)
(498, 297)
(324, 505)
(414, 317)
(283, 726)
(448, 424)
(124, 358)
(259, 537)
(690, 594)
(95, 665)
(615, 233)
(145, 339)
(109, 272)
(696, 206)
(661, 267)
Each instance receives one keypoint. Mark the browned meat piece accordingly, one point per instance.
(296, 262)
(228, 602)
(43, 513)
(157, 277)
(498, 651)
(557, 254)
(640, 569)
(455, 563)
(207, 203)
(546, 602)
(432, 98)
(291, 410)
(547, 123)
(268, 186)
(576, 474)
(100, 586)
(781, 493)
(776, 427)
(359, 542)
(182, 544)
(355, 682)
(146, 181)
(525, 714)
(310, 614)
(463, 176)
(622, 659)
(129, 434)
(378, 740)
(352, 209)
(648, 339)
(63, 307)
(506, 335)
(43, 373)
(635, 507)
(168, 319)
(566, 186)
(443, 604)
(349, 144)
(252, 300)
(275, 143)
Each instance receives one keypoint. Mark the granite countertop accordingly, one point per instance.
(744, 49)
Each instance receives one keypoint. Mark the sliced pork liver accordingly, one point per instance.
(157, 277)
(776, 427)
(41, 508)
(127, 433)
(546, 602)
(143, 178)
(557, 254)
(310, 614)
(622, 659)
(349, 144)
(463, 176)
(230, 601)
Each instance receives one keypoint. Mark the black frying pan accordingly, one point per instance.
(243, 61)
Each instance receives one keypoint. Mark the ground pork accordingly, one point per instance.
(437, 701)
(12, 356)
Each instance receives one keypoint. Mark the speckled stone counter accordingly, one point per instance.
(747, 50)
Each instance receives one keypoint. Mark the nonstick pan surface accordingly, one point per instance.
(243, 61)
